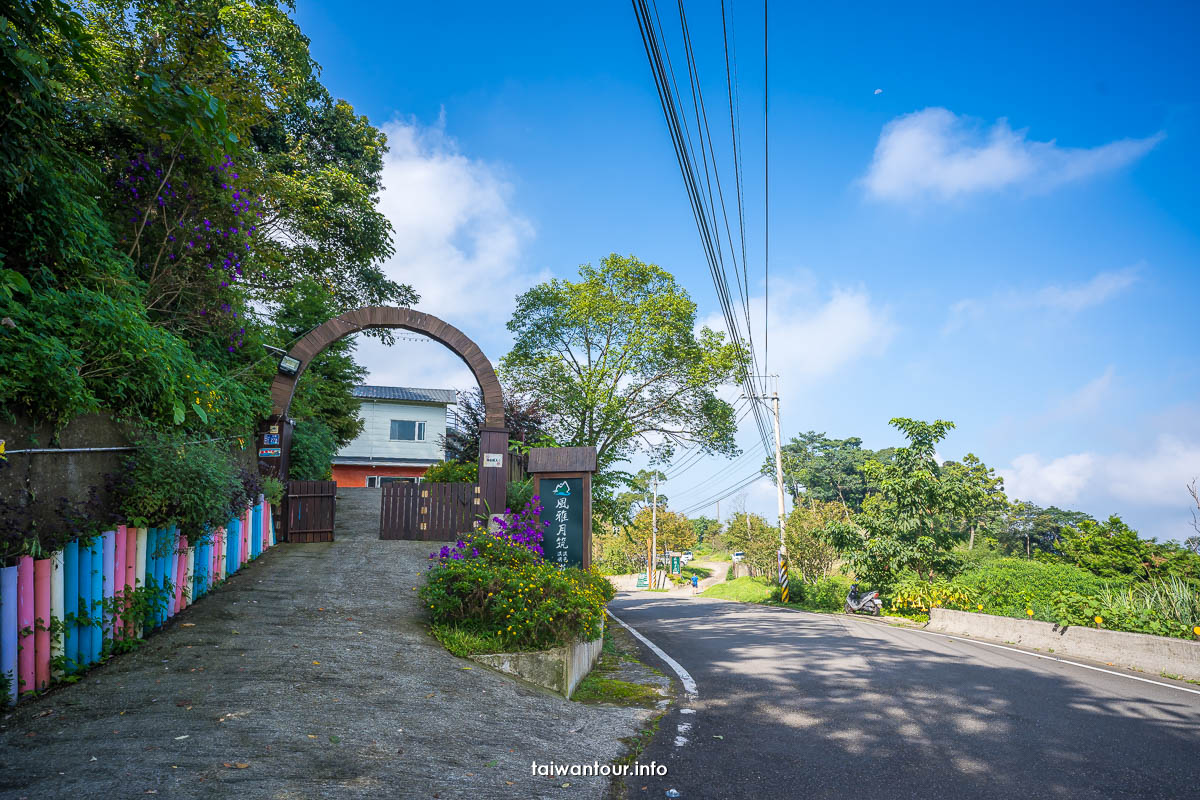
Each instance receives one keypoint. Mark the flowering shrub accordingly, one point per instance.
(918, 596)
(497, 584)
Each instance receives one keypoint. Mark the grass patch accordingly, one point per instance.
(638, 742)
(745, 590)
(465, 643)
(699, 572)
(596, 688)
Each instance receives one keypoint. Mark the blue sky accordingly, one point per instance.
(1006, 235)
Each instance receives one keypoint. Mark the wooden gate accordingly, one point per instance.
(309, 511)
(431, 512)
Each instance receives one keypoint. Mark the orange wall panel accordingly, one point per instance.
(356, 475)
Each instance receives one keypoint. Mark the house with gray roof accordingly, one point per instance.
(403, 430)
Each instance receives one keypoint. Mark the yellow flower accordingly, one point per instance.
(980, 606)
(1029, 611)
(1099, 620)
(1196, 630)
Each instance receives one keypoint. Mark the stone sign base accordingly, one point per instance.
(559, 669)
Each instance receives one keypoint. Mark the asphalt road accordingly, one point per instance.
(815, 706)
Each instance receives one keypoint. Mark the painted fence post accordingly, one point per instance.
(180, 559)
(190, 595)
(83, 579)
(71, 604)
(234, 529)
(170, 579)
(130, 577)
(41, 612)
(57, 611)
(110, 580)
(119, 559)
(96, 604)
(8, 629)
(25, 617)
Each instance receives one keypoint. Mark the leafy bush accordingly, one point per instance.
(273, 490)
(1161, 608)
(518, 493)
(498, 585)
(919, 596)
(313, 448)
(827, 594)
(169, 480)
(452, 472)
(1010, 587)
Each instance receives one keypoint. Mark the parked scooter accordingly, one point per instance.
(868, 602)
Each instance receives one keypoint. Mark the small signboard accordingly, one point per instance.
(274, 429)
(271, 438)
(642, 581)
(493, 459)
(676, 566)
(562, 509)
(269, 452)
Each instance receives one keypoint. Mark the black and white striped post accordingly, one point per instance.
(783, 575)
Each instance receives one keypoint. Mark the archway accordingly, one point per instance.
(274, 440)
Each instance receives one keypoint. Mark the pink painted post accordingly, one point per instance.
(41, 611)
(25, 616)
(180, 571)
(119, 573)
(130, 568)
(108, 550)
(245, 548)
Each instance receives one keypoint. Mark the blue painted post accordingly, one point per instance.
(71, 604)
(255, 528)
(200, 581)
(235, 538)
(96, 600)
(152, 573)
(82, 607)
(160, 571)
(169, 564)
(8, 630)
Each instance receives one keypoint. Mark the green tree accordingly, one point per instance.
(674, 530)
(639, 494)
(810, 556)
(619, 365)
(981, 494)
(817, 468)
(1029, 528)
(1110, 549)
(705, 528)
(757, 538)
(313, 449)
(899, 528)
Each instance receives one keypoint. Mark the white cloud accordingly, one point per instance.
(1069, 298)
(810, 340)
(458, 240)
(1056, 482)
(1155, 477)
(1096, 291)
(937, 153)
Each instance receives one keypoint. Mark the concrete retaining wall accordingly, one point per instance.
(1153, 654)
(559, 669)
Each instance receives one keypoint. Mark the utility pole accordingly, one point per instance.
(783, 560)
(654, 525)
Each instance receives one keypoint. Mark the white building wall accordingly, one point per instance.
(375, 440)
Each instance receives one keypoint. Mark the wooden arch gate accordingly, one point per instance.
(275, 438)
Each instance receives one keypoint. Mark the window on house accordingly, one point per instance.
(404, 430)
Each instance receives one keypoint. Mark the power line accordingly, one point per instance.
(766, 204)
(719, 496)
(705, 213)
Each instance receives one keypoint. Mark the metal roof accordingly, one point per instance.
(406, 394)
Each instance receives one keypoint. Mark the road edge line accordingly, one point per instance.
(689, 683)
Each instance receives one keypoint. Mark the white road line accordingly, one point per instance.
(1022, 652)
(689, 685)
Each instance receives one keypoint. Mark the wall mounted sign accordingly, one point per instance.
(273, 429)
(493, 459)
(271, 438)
(269, 452)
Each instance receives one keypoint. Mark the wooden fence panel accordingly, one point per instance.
(310, 511)
(431, 512)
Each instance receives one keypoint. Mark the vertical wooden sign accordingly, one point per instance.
(562, 479)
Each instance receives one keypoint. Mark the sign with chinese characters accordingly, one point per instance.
(269, 452)
(493, 459)
(562, 509)
(675, 565)
(273, 429)
(270, 438)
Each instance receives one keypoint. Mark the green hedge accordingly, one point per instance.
(1010, 587)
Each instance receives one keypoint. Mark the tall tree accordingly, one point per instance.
(523, 416)
(817, 468)
(899, 528)
(674, 530)
(639, 494)
(810, 555)
(981, 493)
(756, 538)
(617, 359)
